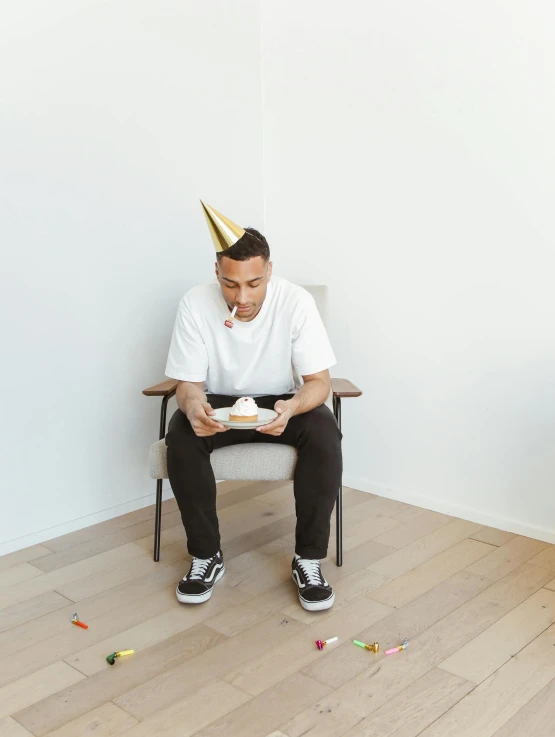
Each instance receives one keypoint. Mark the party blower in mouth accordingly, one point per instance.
(229, 322)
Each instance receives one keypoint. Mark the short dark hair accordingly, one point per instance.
(250, 245)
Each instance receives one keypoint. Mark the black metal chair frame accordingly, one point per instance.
(158, 512)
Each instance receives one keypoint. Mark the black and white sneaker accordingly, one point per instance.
(315, 593)
(198, 584)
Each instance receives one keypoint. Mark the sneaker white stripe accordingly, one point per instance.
(215, 570)
(298, 580)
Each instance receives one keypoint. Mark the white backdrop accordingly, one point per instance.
(409, 164)
(114, 119)
(400, 153)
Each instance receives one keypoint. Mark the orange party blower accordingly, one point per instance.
(75, 620)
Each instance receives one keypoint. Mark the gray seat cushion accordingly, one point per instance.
(245, 462)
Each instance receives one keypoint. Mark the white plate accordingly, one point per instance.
(265, 416)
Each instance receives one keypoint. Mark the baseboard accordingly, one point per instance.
(42, 536)
(455, 510)
(400, 495)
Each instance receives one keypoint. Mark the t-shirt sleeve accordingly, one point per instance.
(187, 358)
(311, 350)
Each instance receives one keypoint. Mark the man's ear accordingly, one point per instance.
(216, 270)
(270, 267)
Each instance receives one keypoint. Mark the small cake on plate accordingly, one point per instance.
(244, 410)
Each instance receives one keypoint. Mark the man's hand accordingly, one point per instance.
(285, 411)
(201, 422)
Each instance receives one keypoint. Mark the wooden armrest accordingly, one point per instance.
(162, 389)
(340, 388)
(344, 388)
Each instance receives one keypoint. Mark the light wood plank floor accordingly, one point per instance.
(478, 605)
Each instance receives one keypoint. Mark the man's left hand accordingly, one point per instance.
(284, 410)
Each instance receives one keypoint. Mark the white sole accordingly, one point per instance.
(199, 598)
(315, 606)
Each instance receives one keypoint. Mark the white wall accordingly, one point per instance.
(115, 117)
(409, 164)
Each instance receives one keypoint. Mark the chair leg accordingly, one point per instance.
(158, 520)
(339, 502)
(339, 527)
(158, 513)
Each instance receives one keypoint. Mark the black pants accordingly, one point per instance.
(317, 439)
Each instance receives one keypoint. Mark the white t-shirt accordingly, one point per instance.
(268, 355)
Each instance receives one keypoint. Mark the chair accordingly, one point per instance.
(248, 461)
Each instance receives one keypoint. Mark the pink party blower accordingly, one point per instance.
(402, 646)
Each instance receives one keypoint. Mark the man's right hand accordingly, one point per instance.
(199, 415)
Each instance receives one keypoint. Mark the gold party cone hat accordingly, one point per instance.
(224, 232)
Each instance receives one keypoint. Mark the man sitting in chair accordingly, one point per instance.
(277, 352)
